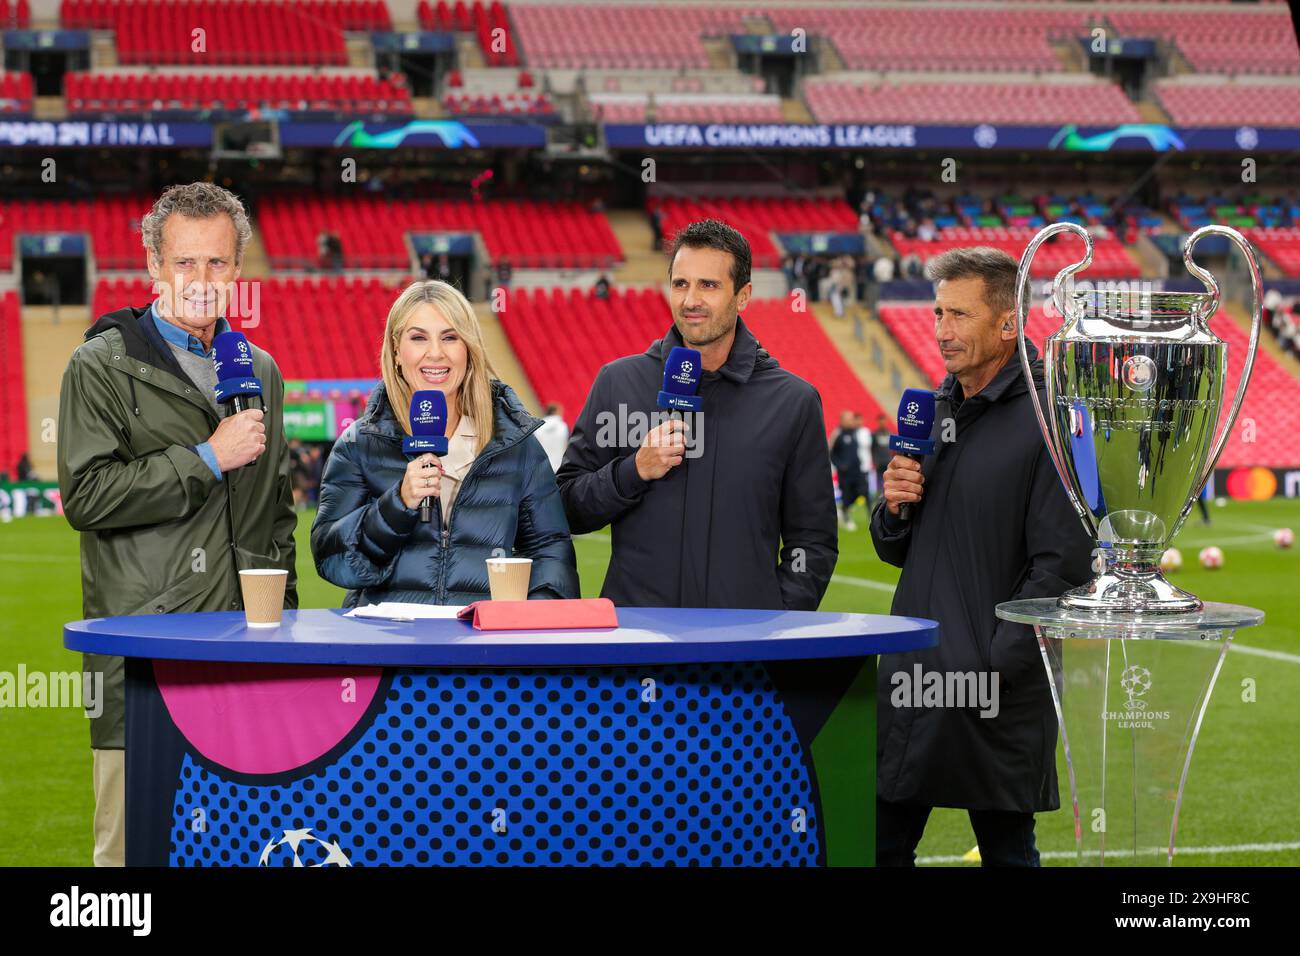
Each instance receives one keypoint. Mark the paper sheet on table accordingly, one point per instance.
(403, 611)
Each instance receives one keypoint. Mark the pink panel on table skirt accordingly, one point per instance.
(264, 718)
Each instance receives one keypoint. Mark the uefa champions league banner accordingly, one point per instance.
(1138, 137)
(76, 133)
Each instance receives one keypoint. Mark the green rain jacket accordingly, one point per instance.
(159, 533)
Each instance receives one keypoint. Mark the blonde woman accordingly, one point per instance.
(494, 492)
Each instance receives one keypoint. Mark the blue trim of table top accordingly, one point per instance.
(645, 636)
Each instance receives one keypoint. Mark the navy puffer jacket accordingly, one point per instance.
(365, 539)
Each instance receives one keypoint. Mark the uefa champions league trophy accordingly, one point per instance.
(1135, 382)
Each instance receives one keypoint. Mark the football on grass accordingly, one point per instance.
(1211, 558)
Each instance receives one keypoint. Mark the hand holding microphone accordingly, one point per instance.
(903, 483)
(422, 480)
(903, 479)
(239, 440)
(427, 441)
(664, 448)
(241, 437)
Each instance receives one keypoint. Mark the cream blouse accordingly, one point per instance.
(456, 463)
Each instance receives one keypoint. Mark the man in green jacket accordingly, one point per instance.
(173, 495)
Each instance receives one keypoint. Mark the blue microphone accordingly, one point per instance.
(232, 357)
(428, 434)
(915, 422)
(682, 381)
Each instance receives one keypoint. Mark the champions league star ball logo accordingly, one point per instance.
(295, 846)
(688, 366)
(426, 407)
(913, 408)
(243, 346)
(1135, 681)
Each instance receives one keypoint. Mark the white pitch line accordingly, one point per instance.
(1178, 851)
(1266, 652)
(863, 583)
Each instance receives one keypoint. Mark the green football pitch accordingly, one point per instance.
(1241, 802)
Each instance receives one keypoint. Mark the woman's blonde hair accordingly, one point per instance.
(475, 394)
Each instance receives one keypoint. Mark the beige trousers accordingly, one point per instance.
(109, 770)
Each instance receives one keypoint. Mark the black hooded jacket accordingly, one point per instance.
(747, 520)
(994, 525)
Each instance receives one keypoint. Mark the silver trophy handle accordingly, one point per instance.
(1024, 291)
(1257, 296)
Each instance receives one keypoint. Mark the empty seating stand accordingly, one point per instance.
(932, 37)
(488, 22)
(530, 234)
(15, 14)
(112, 223)
(668, 108)
(250, 33)
(612, 36)
(315, 327)
(130, 93)
(15, 94)
(1280, 245)
(1110, 259)
(1241, 40)
(1026, 102)
(13, 412)
(1224, 104)
(563, 337)
(497, 104)
(758, 218)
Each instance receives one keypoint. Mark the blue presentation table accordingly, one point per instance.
(684, 736)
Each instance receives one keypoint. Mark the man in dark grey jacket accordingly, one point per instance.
(991, 523)
(733, 507)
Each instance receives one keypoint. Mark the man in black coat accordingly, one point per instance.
(991, 522)
(732, 507)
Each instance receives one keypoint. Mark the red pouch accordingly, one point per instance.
(564, 615)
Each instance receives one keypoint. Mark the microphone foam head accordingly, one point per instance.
(428, 423)
(682, 371)
(232, 356)
(682, 380)
(232, 359)
(915, 422)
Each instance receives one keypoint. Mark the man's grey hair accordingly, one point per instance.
(995, 267)
(196, 201)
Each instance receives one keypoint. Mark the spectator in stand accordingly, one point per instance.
(1272, 310)
(882, 270)
(554, 434)
(912, 266)
(841, 283)
(926, 231)
(601, 290)
(24, 468)
(861, 278)
(504, 273)
(656, 229)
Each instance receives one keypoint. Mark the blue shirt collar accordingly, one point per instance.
(179, 337)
